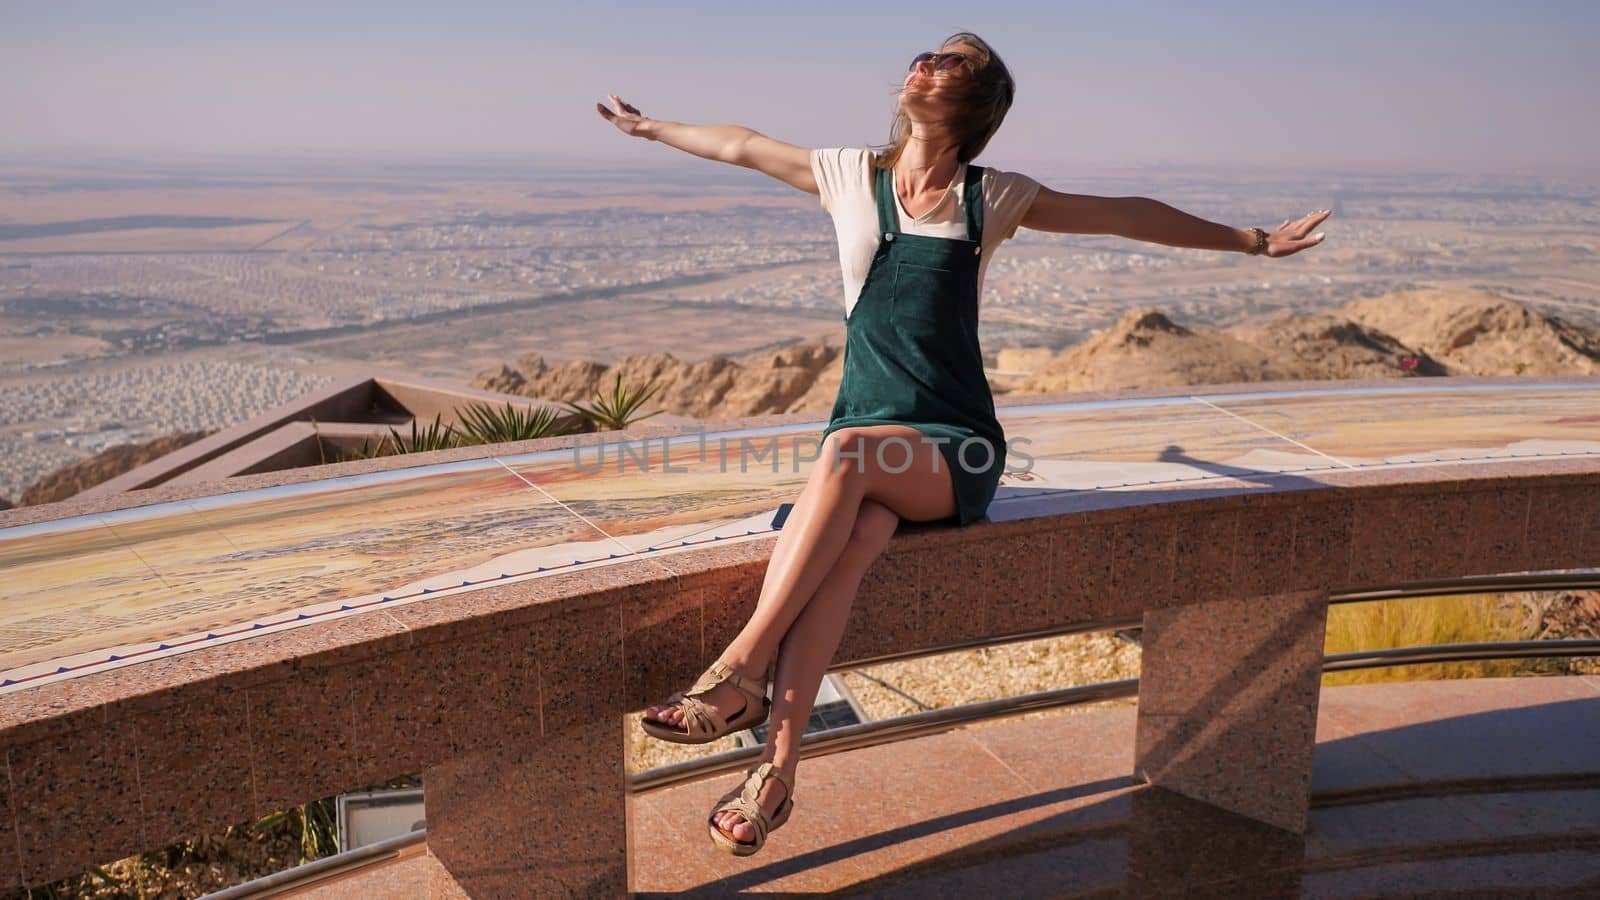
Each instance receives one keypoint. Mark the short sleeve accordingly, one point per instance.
(1010, 196)
(837, 171)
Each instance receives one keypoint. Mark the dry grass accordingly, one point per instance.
(1444, 620)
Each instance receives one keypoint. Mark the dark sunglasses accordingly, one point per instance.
(940, 62)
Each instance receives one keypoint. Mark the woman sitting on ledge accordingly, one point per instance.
(917, 225)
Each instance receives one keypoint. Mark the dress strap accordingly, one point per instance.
(884, 189)
(974, 202)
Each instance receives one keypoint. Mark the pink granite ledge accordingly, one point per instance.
(1383, 531)
(1398, 531)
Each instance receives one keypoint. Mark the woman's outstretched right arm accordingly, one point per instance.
(724, 143)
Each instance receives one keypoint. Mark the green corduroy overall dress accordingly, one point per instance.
(911, 354)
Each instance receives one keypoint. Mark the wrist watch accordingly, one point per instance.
(1261, 242)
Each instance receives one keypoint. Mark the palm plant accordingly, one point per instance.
(485, 424)
(436, 436)
(616, 411)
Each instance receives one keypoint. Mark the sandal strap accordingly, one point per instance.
(752, 813)
(719, 672)
(699, 718)
(766, 769)
(742, 799)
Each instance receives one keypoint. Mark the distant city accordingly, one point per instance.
(137, 304)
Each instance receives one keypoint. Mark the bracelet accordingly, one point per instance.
(1261, 242)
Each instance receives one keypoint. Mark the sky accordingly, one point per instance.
(1467, 85)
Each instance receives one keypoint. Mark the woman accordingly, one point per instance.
(914, 435)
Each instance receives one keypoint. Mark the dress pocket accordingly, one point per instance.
(924, 298)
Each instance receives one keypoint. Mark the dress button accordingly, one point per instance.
(976, 250)
(888, 235)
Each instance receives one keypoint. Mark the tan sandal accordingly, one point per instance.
(701, 723)
(742, 800)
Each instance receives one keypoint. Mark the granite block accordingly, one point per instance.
(302, 735)
(56, 781)
(194, 766)
(1228, 698)
(1142, 554)
(1080, 576)
(399, 700)
(1588, 511)
(1203, 555)
(10, 860)
(1559, 521)
(1263, 562)
(729, 598)
(552, 822)
(1437, 534)
(661, 649)
(1497, 531)
(488, 690)
(1009, 579)
(1322, 539)
(951, 598)
(580, 670)
(883, 616)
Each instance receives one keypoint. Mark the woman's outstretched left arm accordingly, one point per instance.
(1144, 219)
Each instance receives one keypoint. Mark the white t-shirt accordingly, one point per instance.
(844, 179)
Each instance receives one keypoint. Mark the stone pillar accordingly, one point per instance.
(550, 822)
(534, 802)
(1228, 703)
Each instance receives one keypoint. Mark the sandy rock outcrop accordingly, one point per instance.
(1327, 345)
(1481, 333)
(103, 466)
(717, 387)
(1146, 349)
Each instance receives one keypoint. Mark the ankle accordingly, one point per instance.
(745, 665)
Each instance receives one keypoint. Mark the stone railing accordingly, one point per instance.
(510, 699)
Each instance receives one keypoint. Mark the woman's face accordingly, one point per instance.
(926, 94)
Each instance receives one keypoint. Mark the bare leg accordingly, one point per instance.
(805, 652)
(907, 474)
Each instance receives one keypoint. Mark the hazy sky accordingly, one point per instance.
(1471, 85)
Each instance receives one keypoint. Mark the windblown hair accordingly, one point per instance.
(984, 107)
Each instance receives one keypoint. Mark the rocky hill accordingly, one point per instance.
(1480, 333)
(801, 376)
(1399, 335)
(103, 466)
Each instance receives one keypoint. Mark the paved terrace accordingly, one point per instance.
(168, 657)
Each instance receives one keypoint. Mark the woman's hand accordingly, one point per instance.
(1290, 237)
(628, 120)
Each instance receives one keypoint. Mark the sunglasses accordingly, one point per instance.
(941, 62)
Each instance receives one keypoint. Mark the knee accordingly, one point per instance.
(846, 453)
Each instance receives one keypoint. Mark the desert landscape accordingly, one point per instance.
(145, 301)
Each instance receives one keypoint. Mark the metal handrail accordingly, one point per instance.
(1437, 653)
(318, 869)
(1579, 579)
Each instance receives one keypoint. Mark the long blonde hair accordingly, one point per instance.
(984, 108)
